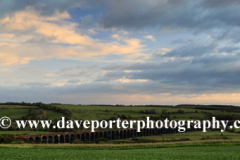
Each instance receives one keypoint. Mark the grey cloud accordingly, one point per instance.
(80, 93)
(84, 72)
(231, 34)
(114, 75)
(113, 67)
(229, 49)
(94, 66)
(194, 15)
(145, 65)
(216, 59)
(191, 50)
(138, 14)
(220, 3)
(199, 75)
(45, 7)
(73, 81)
(35, 84)
(65, 70)
(203, 73)
(86, 93)
(150, 87)
(77, 71)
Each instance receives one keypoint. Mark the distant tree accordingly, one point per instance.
(164, 111)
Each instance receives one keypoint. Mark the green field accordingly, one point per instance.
(51, 115)
(183, 153)
(91, 112)
(17, 111)
(15, 106)
(190, 136)
(193, 136)
(98, 112)
(13, 113)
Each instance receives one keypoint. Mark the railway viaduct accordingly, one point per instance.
(88, 136)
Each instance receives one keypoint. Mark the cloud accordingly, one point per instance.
(140, 14)
(44, 7)
(74, 81)
(200, 15)
(204, 73)
(35, 84)
(59, 39)
(94, 94)
(98, 51)
(191, 50)
(220, 3)
(151, 38)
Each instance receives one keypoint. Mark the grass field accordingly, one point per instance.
(191, 136)
(184, 153)
(13, 113)
(98, 112)
(199, 145)
(198, 135)
(15, 106)
(92, 112)
(51, 115)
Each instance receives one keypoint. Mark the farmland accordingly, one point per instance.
(94, 112)
(54, 112)
(201, 153)
(14, 113)
(91, 112)
(18, 111)
(210, 145)
(189, 136)
(194, 136)
(98, 112)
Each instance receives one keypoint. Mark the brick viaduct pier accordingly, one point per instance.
(88, 136)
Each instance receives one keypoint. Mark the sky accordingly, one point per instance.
(120, 52)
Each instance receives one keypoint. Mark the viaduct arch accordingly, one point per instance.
(88, 136)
